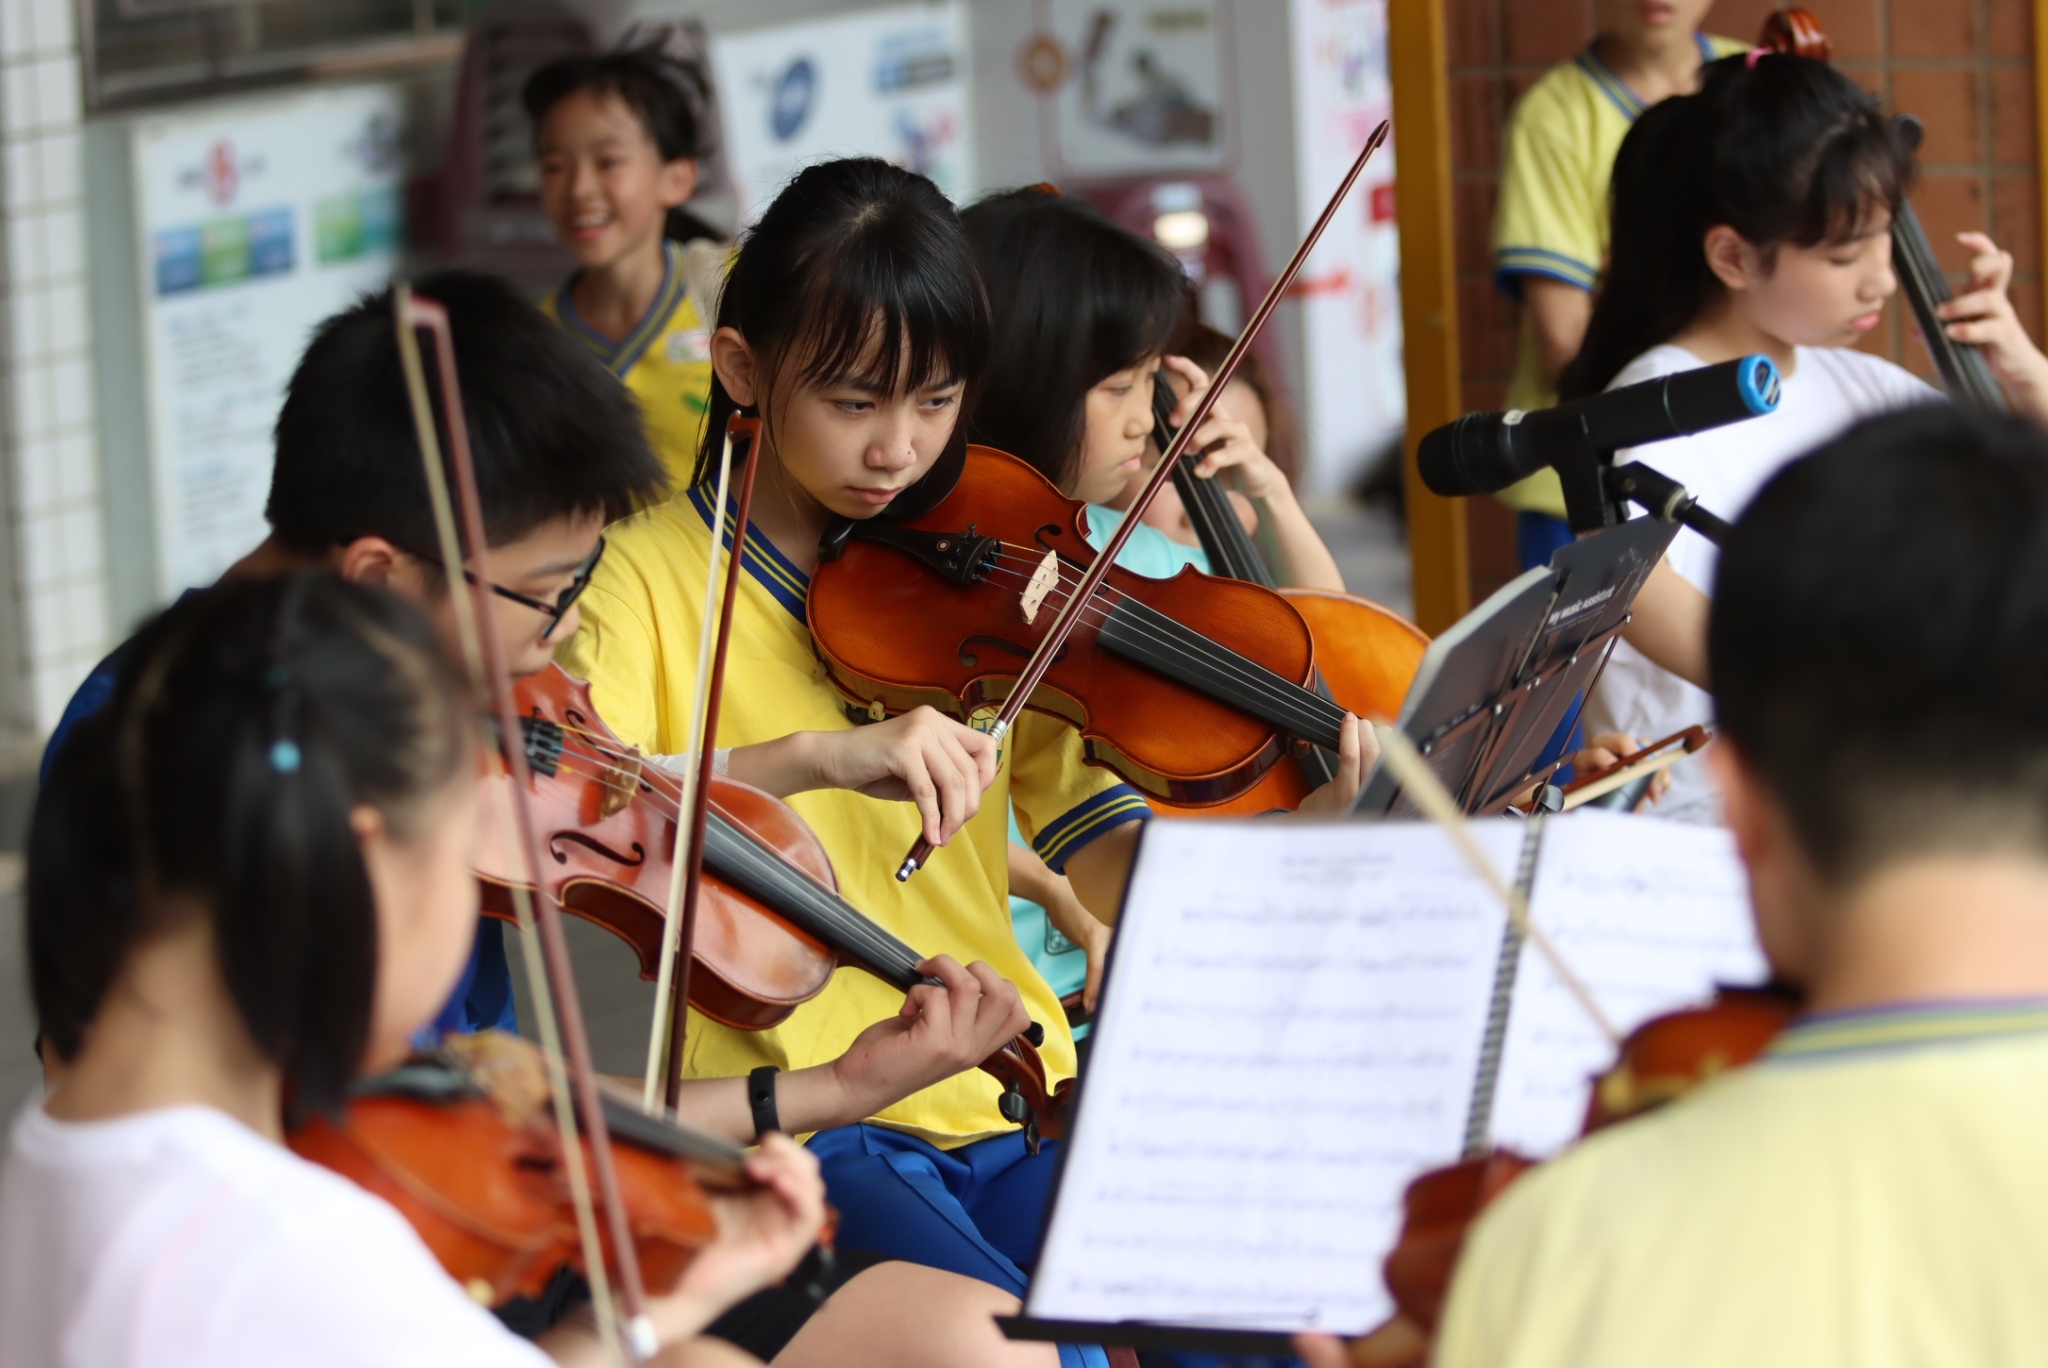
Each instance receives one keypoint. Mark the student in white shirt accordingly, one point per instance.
(1755, 216)
(248, 883)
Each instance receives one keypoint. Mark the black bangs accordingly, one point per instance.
(858, 272)
(1866, 166)
(1075, 298)
(880, 317)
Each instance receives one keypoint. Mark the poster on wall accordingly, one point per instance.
(1356, 396)
(1133, 87)
(256, 219)
(890, 83)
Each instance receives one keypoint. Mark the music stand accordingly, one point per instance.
(1496, 687)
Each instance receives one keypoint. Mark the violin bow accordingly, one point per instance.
(558, 1007)
(704, 757)
(1083, 593)
(659, 1027)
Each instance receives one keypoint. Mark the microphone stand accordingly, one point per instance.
(1595, 489)
(1664, 497)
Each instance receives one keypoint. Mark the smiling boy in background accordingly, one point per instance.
(617, 140)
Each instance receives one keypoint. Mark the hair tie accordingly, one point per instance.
(1755, 55)
(284, 756)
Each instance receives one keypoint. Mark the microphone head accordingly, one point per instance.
(1758, 383)
(1475, 454)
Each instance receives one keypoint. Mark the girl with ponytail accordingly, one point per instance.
(248, 882)
(1755, 216)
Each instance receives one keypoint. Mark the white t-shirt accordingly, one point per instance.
(180, 1237)
(1829, 389)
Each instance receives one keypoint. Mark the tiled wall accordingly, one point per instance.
(53, 602)
(1964, 66)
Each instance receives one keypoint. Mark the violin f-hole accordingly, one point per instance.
(637, 858)
(968, 658)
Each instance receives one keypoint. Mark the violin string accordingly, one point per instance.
(854, 931)
(1304, 705)
(1242, 672)
(1257, 687)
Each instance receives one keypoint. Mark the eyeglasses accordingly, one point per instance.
(555, 611)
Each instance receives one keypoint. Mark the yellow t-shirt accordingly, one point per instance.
(1552, 216)
(1869, 1194)
(638, 648)
(665, 362)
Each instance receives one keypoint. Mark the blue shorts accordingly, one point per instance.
(978, 1210)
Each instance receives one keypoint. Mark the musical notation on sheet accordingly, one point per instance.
(1291, 1032)
(1287, 1038)
(1652, 915)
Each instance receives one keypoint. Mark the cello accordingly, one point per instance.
(1964, 374)
(1366, 655)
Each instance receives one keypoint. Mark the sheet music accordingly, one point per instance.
(1289, 1034)
(1651, 915)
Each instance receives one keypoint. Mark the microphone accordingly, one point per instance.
(1482, 452)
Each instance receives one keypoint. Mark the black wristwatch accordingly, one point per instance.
(761, 1100)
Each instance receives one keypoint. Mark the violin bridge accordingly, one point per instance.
(620, 782)
(1043, 579)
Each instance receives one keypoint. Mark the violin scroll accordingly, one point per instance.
(1027, 1101)
(1795, 33)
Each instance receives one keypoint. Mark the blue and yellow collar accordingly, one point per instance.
(1614, 88)
(773, 570)
(619, 357)
(1869, 1030)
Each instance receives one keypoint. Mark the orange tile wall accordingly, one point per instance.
(1964, 66)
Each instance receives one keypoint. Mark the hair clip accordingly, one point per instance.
(284, 756)
(1755, 55)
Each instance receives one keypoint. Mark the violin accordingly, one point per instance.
(1191, 688)
(1660, 1061)
(771, 925)
(1964, 373)
(1366, 655)
(463, 1142)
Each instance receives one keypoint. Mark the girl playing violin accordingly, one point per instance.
(248, 883)
(853, 324)
(1751, 217)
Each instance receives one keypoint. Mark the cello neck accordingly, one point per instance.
(1964, 373)
(1231, 551)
